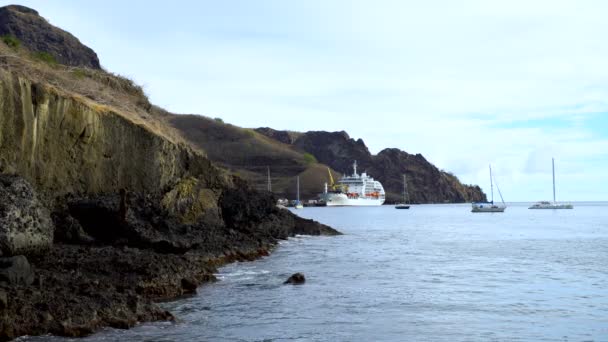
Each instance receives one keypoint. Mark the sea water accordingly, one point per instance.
(430, 273)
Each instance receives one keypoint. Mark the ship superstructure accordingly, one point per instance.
(353, 190)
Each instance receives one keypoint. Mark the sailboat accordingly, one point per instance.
(298, 204)
(405, 204)
(489, 207)
(547, 204)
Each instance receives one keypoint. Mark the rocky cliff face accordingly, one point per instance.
(110, 209)
(286, 137)
(426, 183)
(64, 144)
(35, 33)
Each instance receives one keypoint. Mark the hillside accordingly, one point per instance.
(250, 154)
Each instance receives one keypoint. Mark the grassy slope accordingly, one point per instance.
(97, 89)
(249, 153)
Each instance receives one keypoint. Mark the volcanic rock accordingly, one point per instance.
(295, 279)
(25, 224)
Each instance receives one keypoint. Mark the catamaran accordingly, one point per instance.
(547, 204)
(489, 207)
(405, 204)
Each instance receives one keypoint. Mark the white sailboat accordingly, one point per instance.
(405, 204)
(554, 205)
(298, 204)
(489, 207)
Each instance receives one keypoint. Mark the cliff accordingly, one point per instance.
(112, 209)
(426, 183)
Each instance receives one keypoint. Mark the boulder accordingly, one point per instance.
(16, 271)
(25, 224)
(295, 279)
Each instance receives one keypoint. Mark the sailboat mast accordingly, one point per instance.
(491, 184)
(298, 191)
(553, 169)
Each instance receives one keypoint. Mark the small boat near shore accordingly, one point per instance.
(554, 204)
(489, 207)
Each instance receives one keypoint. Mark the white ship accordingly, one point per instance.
(353, 190)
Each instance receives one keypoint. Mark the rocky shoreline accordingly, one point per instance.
(113, 256)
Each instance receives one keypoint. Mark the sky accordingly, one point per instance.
(464, 83)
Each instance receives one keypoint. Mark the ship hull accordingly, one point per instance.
(341, 200)
(552, 206)
(487, 208)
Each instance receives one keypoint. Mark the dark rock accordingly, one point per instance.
(38, 35)
(25, 224)
(16, 271)
(189, 286)
(295, 279)
(69, 230)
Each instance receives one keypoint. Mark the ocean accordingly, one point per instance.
(431, 273)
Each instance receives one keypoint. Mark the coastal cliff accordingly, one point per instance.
(105, 208)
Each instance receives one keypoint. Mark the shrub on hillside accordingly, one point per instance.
(11, 41)
(309, 158)
(45, 57)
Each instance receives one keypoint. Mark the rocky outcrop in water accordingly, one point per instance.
(35, 33)
(296, 279)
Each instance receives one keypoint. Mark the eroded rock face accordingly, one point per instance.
(39, 36)
(25, 224)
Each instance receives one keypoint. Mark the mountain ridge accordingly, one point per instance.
(426, 183)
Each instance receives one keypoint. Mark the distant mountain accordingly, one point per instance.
(426, 183)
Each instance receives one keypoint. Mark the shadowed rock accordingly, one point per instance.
(296, 279)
